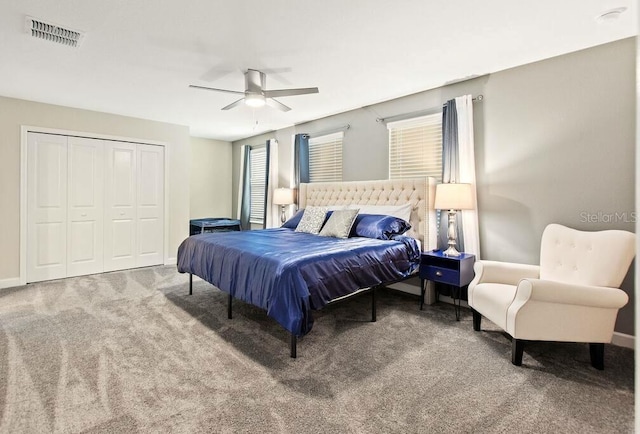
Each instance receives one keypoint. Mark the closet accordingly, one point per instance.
(93, 205)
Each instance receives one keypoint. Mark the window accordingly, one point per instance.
(325, 158)
(415, 147)
(258, 184)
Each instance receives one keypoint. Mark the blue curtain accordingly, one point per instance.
(300, 161)
(245, 198)
(450, 170)
(267, 170)
(301, 158)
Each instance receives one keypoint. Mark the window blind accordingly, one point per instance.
(258, 184)
(325, 158)
(415, 147)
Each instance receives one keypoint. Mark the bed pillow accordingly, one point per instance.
(292, 223)
(381, 227)
(400, 211)
(312, 219)
(340, 223)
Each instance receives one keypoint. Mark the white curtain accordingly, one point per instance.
(467, 167)
(272, 212)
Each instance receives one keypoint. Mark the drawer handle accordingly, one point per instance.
(439, 273)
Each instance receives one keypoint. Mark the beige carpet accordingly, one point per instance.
(132, 352)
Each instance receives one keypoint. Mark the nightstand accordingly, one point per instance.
(456, 271)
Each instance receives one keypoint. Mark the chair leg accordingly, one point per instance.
(476, 320)
(517, 348)
(597, 356)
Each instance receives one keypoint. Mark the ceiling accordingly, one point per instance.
(137, 58)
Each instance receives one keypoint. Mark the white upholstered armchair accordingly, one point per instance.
(572, 296)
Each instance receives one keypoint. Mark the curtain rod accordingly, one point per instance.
(415, 114)
(329, 131)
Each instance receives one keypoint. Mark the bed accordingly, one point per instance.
(289, 274)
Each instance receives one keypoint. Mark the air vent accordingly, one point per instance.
(53, 32)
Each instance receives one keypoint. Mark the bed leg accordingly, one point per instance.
(373, 304)
(294, 345)
(229, 315)
(190, 284)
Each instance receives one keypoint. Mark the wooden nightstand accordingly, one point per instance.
(456, 271)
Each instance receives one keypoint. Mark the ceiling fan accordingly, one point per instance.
(255, 94)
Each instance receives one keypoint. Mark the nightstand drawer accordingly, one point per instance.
(439, 274)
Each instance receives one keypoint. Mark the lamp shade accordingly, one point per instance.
(283, 196)
(453, 196)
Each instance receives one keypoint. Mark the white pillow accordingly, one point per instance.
(312, 219)
(400, 211)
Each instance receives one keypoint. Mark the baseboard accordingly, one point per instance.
(623, 340)
(9, 283)
(405, 287)
(171, 261)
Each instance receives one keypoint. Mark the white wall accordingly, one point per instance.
(210, 171)
(14, 113)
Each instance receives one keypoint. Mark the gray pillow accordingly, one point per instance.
(339, 224)
(312, 219)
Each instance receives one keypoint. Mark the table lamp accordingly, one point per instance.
(453, 197)
(283, 197)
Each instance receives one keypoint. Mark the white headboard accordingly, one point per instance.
(420, 192)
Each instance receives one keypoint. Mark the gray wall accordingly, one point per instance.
(555, 142)
(15, 113)
(210, 178)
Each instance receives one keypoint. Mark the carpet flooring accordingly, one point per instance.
(132, 352)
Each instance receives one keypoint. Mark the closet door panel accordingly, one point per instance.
(46, 207)
(86, 206)
(150, 206)
(120, 206)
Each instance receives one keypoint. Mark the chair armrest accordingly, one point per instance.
(566, 293)
(507, 273)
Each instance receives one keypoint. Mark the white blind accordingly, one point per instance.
(325, 158)
(258, 184)
(415, 147)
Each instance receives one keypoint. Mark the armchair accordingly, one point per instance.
(572, 296)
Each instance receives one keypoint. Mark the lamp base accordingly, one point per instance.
(451, 251)
(283, 214)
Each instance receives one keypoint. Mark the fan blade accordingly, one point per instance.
(289, 92)
(217, 90)
(277, 105)
(233, 104)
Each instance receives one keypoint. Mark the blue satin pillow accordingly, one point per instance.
(381, 227)
(292, 223)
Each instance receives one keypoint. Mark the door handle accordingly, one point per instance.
(122, 213)
(84, 214)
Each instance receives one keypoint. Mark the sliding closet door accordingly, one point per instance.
(85, 213)
(46, 207)
(120, 206)
(150, 201)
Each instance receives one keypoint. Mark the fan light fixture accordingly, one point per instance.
(255, 94)
(254, 100)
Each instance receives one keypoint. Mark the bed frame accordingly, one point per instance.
(420, 192)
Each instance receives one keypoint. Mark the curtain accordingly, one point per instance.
(458, 165)
(271, 212)
(467, 172)
(244, 187)
(450, 171)
(300, 160)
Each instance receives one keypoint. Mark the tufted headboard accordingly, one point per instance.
(418, 191)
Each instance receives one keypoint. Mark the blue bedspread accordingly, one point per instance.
(288, 273)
